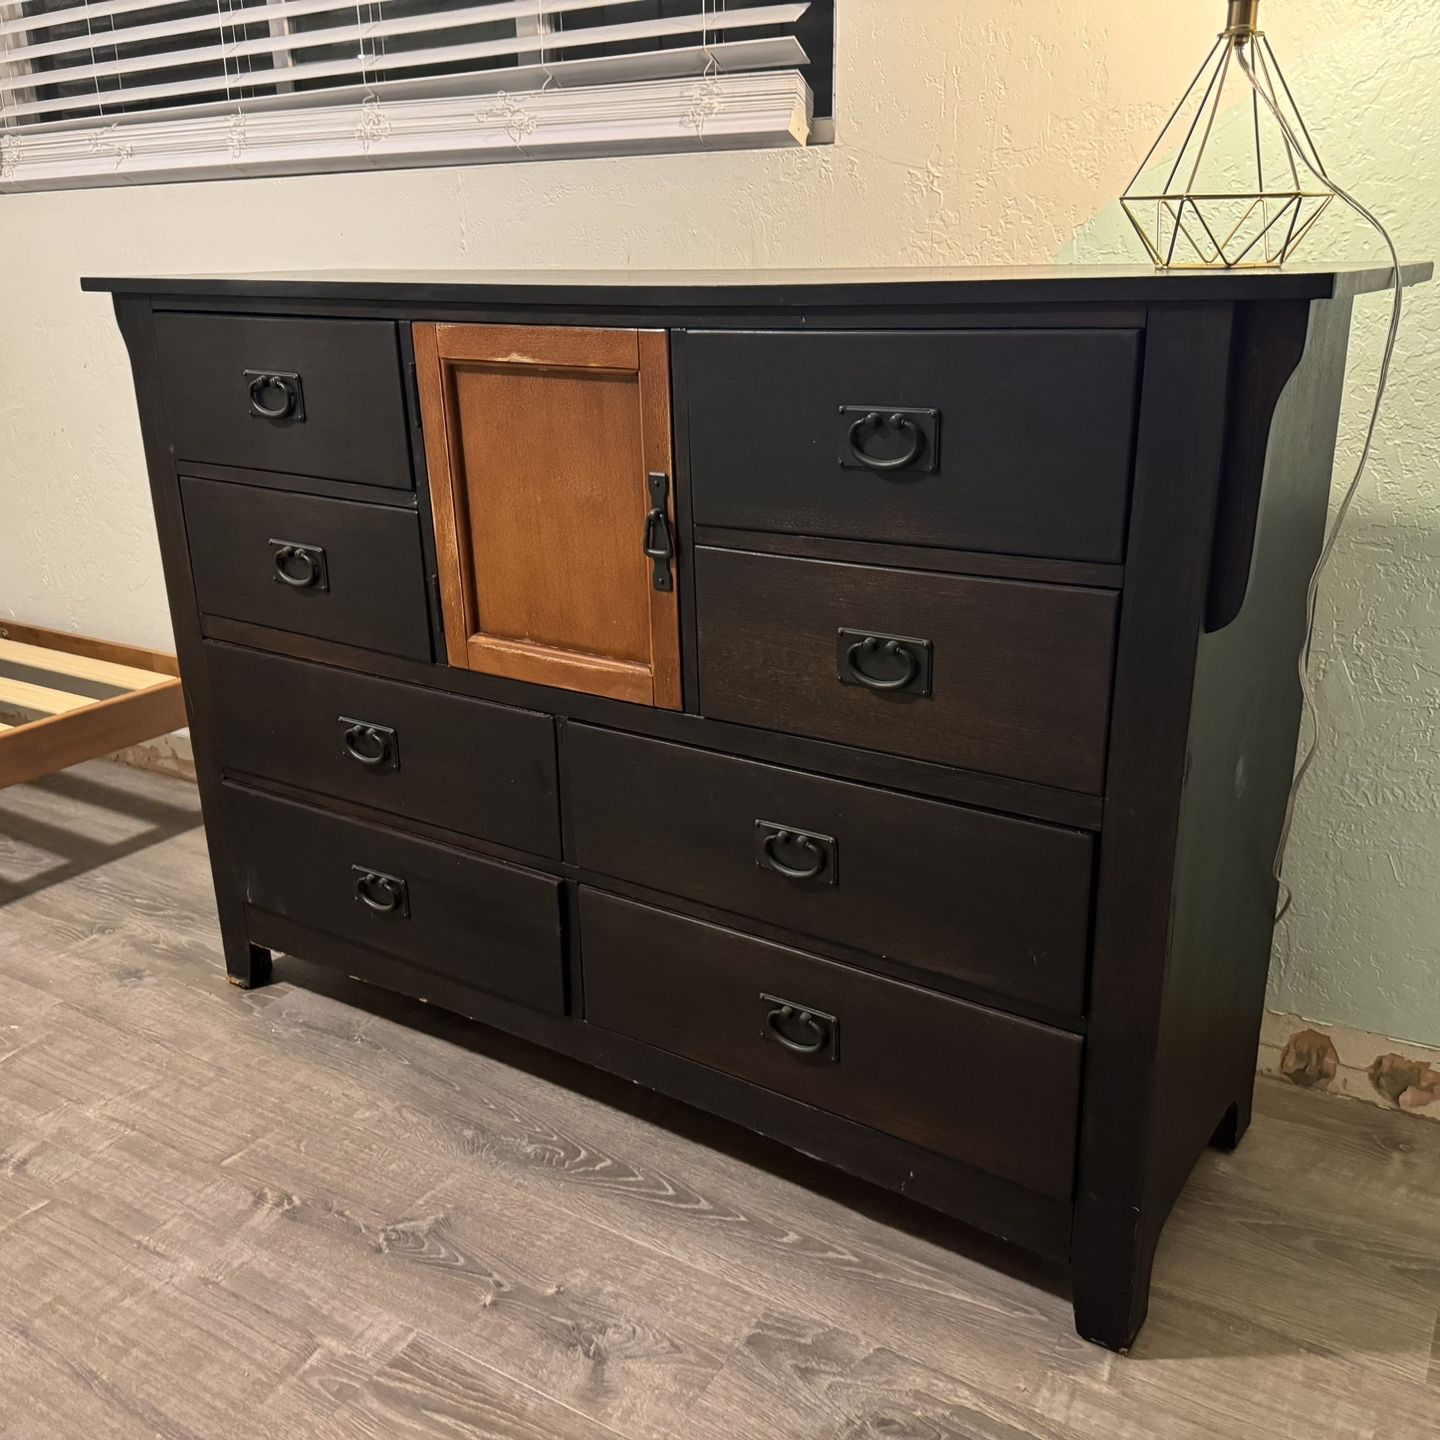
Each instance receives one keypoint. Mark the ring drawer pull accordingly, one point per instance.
(901, 425)
(379, 893)
(818, 853)
(370, 745)
(301, 567)
(291, 405)
(803, 1018)
(895, 649)
(803, 843)
(296, 567)
(886, 664)
(819, 1033)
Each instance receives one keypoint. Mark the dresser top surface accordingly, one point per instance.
(785, 289)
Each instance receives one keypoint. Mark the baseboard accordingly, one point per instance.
(1394, 1074)
(166, 755)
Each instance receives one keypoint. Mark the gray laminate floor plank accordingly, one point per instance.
(315, 1210)
(425, 1391)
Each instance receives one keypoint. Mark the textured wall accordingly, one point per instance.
(968, 132)
(1362, 944)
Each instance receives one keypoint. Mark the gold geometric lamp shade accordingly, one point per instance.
(1242, 189)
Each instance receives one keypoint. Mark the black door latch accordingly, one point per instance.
(659, 546)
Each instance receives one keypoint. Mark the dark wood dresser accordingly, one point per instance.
(861, 705)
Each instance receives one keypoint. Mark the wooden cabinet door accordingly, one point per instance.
(541, 444)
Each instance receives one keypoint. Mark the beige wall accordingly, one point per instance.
(1362, 945)
(967, 132)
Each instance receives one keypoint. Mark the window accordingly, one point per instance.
(98, 92)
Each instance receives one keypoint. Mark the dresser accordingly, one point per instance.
(858, 704)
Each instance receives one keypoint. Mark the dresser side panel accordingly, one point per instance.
(1244, 722)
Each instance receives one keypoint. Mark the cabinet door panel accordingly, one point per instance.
(540, 443)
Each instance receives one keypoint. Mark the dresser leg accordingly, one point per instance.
(1112, 1300)
(1231, 1129)
(247, 965)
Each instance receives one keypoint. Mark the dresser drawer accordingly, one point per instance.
(479, 922)
(337, 569)
(917, 882)
(1017, 441)
(1001, 1094)
(998, 675)
(335, 386)
(481, 769)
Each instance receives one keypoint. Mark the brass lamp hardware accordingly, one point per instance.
(1242, 17)
(1243, 190)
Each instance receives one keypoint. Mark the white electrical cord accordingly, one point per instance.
(1309, 709)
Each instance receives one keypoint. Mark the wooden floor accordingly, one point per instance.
(323, 1212)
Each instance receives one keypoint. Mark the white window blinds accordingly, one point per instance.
(113, 91)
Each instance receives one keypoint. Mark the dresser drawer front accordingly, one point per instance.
(998, 1093)
(480, 769)
(334, 387)
(919, 883)
(337, 569)
(480, 922)
(1004, 676)
(1016, 441)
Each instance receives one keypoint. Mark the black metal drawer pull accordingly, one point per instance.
(291, 405)
(802, 843)
(373, 746)
(799, 1028)
(302, 567)
(887, 439)
(895, 649)
(778, 847)
(379, 893)
(295, 566)
(659, 545)
(888, 664)
(901, 425)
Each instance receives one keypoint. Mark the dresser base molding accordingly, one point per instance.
(1005, 897)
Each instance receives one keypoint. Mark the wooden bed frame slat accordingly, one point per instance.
(81, 667)
(22, 695)
(77, 727)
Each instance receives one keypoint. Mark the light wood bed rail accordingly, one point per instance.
(67, 698)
